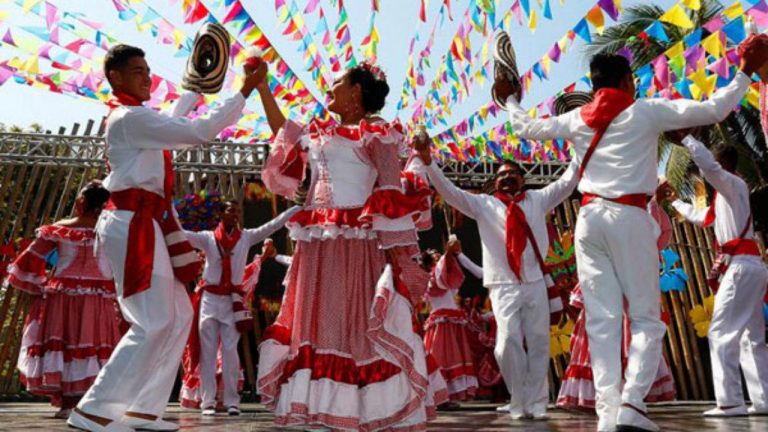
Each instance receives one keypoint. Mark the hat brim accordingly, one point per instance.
(570, 101)
(208, 63)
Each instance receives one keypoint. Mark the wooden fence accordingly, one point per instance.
(39, 180)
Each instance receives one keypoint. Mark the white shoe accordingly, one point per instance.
(755, 411)
(209, 412)
(233, 411)
(149, 425)
(503, 408)
(738, 411)
(630, 420)
(79, 421)
(607, 419)
(540, 416)
(518, 415)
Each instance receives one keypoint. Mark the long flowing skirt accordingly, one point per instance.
(577, 389)
(67, 338)
(446, 338)
(343, 352)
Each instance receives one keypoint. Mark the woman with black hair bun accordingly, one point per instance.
(73, 322)
(343, 353)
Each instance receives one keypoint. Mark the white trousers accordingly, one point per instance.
(217, 325)
(139, 375)
(522, 314)
(737, 334)
(617, 259)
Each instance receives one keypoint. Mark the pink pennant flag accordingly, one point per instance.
(50, 14)
(54, 35)
(714, 24)
(661, 70)
(311, 6)
(759, 13)
(719, 67)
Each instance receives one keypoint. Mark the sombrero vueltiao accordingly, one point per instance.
(571, 100)
(505, 65)
(207, 66)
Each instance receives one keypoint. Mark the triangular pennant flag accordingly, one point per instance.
(595, 17)
(677, 16)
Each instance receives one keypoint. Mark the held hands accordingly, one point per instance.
(754, 56)
(453, 246)
(665, 192)
(255, 75)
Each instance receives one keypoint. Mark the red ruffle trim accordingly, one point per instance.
(52, 384)
(319, 128)
(22, 285)
(330, 366)
(579, 372)
(394, 204)
(67, 284)
(342, 218)
(459, 371)
(79, 353)
(66, 233)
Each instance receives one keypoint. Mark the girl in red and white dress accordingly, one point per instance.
(446, 335)
(577, 389)
(343, 353)
(73, 322)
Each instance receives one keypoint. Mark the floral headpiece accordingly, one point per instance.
(374, 70)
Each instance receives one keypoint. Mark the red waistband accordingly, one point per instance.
(740, 247)
(137, 200)
(635, 200)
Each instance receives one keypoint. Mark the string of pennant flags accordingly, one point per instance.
(692, 68)
(62, 52)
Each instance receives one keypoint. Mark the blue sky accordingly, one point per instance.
(396, 24)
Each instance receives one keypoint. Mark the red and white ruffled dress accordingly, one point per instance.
(446, 336)
(577, 390)
(343, 352)
(73, 322)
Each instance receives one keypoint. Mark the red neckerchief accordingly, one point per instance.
(598, 115)
(515, 237)
(226, 243)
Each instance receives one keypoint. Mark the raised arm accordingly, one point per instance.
(257, 235)
(691, 214)
(725, 183)
(539, 129)
(149, 129)
(552, 195)
(669, 115)
(198, 239)
(468, 203)
(468, 264)
(184, 105)
(285, 260)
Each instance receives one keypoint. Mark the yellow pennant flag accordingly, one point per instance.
(32, 65)
(692, 4)
(675, 50)
(532, 20)
(677, 16)
(595, 17)
(28, 5)
(735, 10)
(753, 97)
(713, 45)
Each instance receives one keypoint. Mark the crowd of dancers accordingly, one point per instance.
(109, 327)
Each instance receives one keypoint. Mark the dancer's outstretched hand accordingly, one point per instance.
(665, 192)
(453, 246)
(754, 56)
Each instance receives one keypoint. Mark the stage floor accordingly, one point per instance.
(471, 417)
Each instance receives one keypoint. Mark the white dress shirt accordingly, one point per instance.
(206, 242)
(625, 161)
(732, 204)
(491, 216)
(136, 137)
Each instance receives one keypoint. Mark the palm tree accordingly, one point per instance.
(742, 128)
